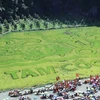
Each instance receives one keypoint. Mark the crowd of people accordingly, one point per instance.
(64, 90)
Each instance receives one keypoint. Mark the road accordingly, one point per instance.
(4, 95)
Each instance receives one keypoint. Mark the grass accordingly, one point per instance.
(77, 52)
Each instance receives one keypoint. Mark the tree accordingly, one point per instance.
(1, 29)
(6, 25)
(37, 24)
(45, 25)
(11, 19)
(23, 26)
(68, 24)
(75, 24)
(60, 24)
(30, 17)
(15, 26)
(53, 24)
(82, 22)
(5, 21)
(36, 16)
(1, 20)
(17, 17)
(24, 18)
(31, 26)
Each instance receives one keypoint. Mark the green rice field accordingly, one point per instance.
(38, 57)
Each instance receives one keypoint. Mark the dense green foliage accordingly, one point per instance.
(64, 11)
(30, 24)
(22, 15)
(49, 8)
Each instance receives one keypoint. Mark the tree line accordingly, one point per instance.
(30, 24)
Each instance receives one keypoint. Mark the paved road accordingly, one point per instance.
(4, 95)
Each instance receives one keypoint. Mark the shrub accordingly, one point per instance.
(1, 29)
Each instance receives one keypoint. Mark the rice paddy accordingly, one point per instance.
(68, 51)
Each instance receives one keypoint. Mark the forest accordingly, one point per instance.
(48, 12)
(48, 8)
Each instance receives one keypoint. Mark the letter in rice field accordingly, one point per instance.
(13, 74)
(27, 72)
(83, 64)
(48, 70)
